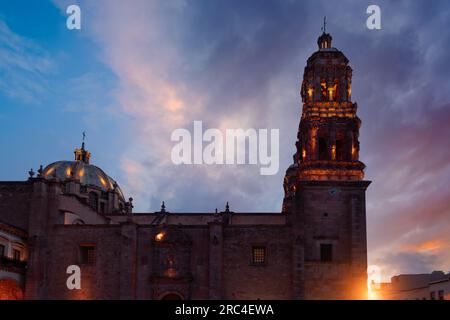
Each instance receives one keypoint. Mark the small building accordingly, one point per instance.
(427, 286)
(13, 257)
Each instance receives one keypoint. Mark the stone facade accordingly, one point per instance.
(72, 213)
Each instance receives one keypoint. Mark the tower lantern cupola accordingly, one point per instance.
(324, 41)
(82, 154)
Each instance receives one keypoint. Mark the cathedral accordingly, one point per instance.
(71, 213)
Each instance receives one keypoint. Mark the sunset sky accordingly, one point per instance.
(137, 70)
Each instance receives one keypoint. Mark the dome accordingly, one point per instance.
(86, 174)
(80, 170)
(326, 52)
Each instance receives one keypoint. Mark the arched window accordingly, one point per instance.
(171, 296)
(332, 92)
(340, 153)
(323, 90)
(323, 150)
(78, 221)
(3, 247)
(93, 200)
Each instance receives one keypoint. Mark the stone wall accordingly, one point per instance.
(14, 203)
(98, 281)
(241, 279)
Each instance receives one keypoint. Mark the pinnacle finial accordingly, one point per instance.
(324, 28)
(163, 207)
(40, 171)
(84, 137)
(227, 207)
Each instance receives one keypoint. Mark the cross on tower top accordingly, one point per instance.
(324, 28)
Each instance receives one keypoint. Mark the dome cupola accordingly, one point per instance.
(324, 41)
(82, 155)
(87, 181)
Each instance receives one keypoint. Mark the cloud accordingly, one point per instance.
(407, 263)
(82, 93)
(163, 86)
(24, 66)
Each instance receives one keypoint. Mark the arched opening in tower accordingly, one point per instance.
(323, 150)
(340, 153)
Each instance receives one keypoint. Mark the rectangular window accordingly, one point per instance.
(432, 295)
(258, 255)
(16, 254)
(2, 250)
(326, 252)
(87, 254)
(441, 294)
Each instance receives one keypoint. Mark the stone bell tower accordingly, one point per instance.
(324, 188)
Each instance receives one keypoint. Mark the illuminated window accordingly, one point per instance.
(310, 93)
(16, 254)
(258, 255)
(326, 252)
(441, 294)
(332, 91)
(87, 254)
(160, 236)
(323, 90)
